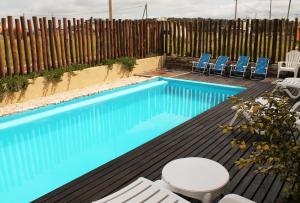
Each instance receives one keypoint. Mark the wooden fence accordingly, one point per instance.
(255, 38)
(41, 44)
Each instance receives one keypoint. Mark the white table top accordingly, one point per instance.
(195, 175)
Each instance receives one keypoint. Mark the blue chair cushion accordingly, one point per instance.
(204, 59)
(221, 61)
(261, 66)
(242, 63)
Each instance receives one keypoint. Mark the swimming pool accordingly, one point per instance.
(45, 148)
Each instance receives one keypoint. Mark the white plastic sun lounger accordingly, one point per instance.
(289, 83)
(233, 198)
(145, 191)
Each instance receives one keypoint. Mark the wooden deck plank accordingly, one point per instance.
(199, 136)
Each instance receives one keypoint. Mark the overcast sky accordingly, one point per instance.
(156, 8)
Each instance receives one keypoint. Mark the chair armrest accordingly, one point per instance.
(280, 63)
(296, 105)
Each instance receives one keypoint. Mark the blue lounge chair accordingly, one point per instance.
(239, 69)
(202, 64)
(261, 68)
(219, 66)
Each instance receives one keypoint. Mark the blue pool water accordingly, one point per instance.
(43, 149)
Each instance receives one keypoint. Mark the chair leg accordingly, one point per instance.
(278, 74)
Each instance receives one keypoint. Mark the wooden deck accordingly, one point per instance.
(200, 137)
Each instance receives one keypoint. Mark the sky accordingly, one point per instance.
(156, 8)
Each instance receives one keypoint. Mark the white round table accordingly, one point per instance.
(195, 177)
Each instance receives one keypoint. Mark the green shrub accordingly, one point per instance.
(2, 88)
(16, 83)
(273, 140)
(128, 62)
(54, 75)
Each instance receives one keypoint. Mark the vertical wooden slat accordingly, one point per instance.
(46, 32)
(44, 48)
(195, 34)
(92, 41)
(215, 38)
(242, 39)
(67, 38)
(76, 45)
(295, 34)
(286, 30)
(269, 38)
(108, 40)
(199, 30)
(83, 41)
(233, 40)
(280, 40)
(206, 27)
(103, 39)
(210, 35)
(112, 42)
(224, 38)
(32, 47)
(25, 42)
(2, 69)
(191, 38)
(71, 42)
(182, 38)
(251, 39)
(264, 38)
(178, 37)
(174, 25)
(61, 44)
(119, 37)
(290, 34)
(79, 36)
(12, 44)
(229, 39)
(97, 39)
(20, 47)
(246, 38)
(130, 47)
(52, 46)
(56, 42)
(219, 37)
(6, 46)
(274, 41)
(260, 37)
(238, 44)
(88, 43)
(254, 57)
(133, 37)
(37, 43)
(170, 32)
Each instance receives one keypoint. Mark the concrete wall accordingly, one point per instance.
(39, 87)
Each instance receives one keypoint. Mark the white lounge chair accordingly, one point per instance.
(292, 63)
(233, 198)
(289, 83)
(143, 190)
(146, 191)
